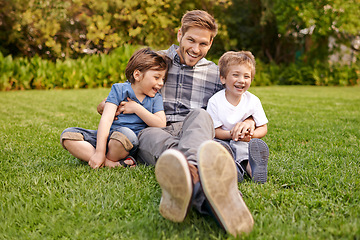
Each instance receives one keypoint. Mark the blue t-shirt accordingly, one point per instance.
(119, 93)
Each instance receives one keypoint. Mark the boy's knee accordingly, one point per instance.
(124, 140)
(73, 136)
(116, 151)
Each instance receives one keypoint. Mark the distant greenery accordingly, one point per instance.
(274, 30)
(86, 72)
(313, 190)
(39, 39)
(103, 70)
(319, 74)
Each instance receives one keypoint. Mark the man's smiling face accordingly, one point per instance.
(193, 45)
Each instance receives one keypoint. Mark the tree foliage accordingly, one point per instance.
(279, 31)
(71, 28)
(317, 21)
(274, 30)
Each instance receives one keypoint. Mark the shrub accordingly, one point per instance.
(87, 72)
(320, 74)
(103, 70)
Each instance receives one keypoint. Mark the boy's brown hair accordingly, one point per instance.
(146, 59)
(236, 58)
(199, 18)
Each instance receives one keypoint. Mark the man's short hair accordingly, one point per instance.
(231, 58)
(201, 19)
(146, 59)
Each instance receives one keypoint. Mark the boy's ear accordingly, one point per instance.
(137, 75)
(222, 80)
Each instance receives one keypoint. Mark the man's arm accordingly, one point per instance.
(222, 134)
(101, 106)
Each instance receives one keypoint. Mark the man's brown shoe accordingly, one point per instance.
(173, 174)
(218, 177)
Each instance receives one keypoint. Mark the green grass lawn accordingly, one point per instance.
(313, 189)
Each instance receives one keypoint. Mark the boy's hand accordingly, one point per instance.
(246, 138)
(241, 132)
(97, 160)
(128, 107)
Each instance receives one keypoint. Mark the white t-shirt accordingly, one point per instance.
(226, 115)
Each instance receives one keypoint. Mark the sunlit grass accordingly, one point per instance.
(313, 190)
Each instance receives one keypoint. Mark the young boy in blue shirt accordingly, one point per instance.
(140, 106)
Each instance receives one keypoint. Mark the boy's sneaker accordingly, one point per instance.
(172, 173)
(258, 160)
(218, 177)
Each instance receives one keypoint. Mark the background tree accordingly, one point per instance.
(274, 30)
(311, 23)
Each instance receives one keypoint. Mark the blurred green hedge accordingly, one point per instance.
(300, 73)
(103, 70)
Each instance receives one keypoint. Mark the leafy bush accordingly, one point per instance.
(320, 74)
(103, 70)
(87, 72)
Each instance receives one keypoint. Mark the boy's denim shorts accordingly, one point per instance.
(123, 134)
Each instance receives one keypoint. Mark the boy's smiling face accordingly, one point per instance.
(237, 81)
(150, 82)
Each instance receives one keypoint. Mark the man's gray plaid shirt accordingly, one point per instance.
(188, 87)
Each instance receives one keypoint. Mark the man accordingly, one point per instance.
(185, 145)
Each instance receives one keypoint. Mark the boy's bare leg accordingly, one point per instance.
(110, 164)
(115, 153)
(248, 169)
(79, 149)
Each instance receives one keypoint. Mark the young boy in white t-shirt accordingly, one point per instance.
(231, 106)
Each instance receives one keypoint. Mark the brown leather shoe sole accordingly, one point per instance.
(218, 178)
(173, 175)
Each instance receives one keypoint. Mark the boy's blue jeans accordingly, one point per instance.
(90, 136)
(240, 152)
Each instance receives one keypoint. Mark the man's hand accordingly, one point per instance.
(101, 106)
(97, 160)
